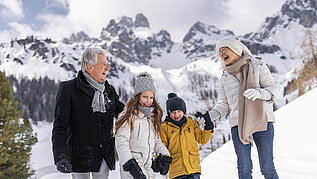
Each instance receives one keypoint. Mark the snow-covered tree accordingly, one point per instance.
(16, 136)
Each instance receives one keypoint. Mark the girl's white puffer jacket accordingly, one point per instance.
(228, 92)
(141, 144)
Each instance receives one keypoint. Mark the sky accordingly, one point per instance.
(57, 19)
(295, 147)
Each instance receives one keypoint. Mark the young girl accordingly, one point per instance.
(138, 132)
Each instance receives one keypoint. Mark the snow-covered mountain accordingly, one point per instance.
(294, 147)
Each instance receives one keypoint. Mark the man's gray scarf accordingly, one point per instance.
(98, 102)
(146, 110)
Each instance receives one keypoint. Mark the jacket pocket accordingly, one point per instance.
(138, 156)
(194, 159)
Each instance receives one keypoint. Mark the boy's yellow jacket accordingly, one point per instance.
(183, 147)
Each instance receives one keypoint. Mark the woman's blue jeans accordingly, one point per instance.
(264, 143)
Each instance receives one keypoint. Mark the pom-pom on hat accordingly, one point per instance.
(175, 103)
(143, 82)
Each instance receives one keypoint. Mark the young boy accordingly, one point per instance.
(180, 135)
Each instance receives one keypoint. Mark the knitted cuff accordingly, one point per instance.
(214, 115)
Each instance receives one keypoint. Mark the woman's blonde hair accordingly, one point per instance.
(131, 111)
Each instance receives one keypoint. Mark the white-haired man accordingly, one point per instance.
(82, 134)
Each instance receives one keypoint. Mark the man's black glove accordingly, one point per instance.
(64, 166)
(134, 169)
(209, 125)
(166, 161)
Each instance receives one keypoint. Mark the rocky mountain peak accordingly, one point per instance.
(76, 38)
(303, 10)
(141, 21)
(201, 28)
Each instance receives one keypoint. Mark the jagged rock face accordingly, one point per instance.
(200, 41)
(257, 48)
(114, 28)
(76, 38)
(141, 21)
(37, 46)
(122, 42)
(304, 10)
(267, 29)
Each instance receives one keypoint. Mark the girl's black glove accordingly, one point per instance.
(133, 167)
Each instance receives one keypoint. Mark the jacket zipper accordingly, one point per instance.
(138, 132)
(148, 141)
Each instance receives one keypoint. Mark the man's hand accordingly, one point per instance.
(64, 166)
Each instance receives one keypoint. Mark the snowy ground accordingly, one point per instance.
(295, 147)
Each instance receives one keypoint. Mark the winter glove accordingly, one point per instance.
(209, 125)
(166, 161)
(64, 166)
(157, 164)
(200, 121)
(252, 94)
(133, 167)
(257, 93)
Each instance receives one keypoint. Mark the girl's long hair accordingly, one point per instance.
(131, 111)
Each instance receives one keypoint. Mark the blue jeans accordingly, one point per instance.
(264, 143)
(191, 176)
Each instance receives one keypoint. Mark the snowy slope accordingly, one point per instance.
(295, 145)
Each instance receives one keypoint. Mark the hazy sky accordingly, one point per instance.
(59, 18)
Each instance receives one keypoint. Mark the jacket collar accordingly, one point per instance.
(176, 123)
(83, 84)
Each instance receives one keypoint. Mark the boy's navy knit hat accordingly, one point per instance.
(143, 82)
(175, 103)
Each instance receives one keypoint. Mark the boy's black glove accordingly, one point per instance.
(64, 166)
(209, 125)
(134, 169)
(161, 164)
(166, 161)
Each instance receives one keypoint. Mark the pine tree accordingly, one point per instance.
(16, 136)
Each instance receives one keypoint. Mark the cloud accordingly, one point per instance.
(11, 9)
(16, 30)
(176, 16)
(5, 36)
(56, 4)
(247, 15)
(21, 30)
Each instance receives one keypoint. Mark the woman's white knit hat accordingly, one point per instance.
(236, 46)
(143, 82)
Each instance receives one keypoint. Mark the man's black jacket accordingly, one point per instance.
(79, 135)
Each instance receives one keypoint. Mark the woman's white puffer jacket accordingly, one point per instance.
(228, 92)
(141, 143)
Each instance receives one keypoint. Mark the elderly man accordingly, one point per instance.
(82, 135)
